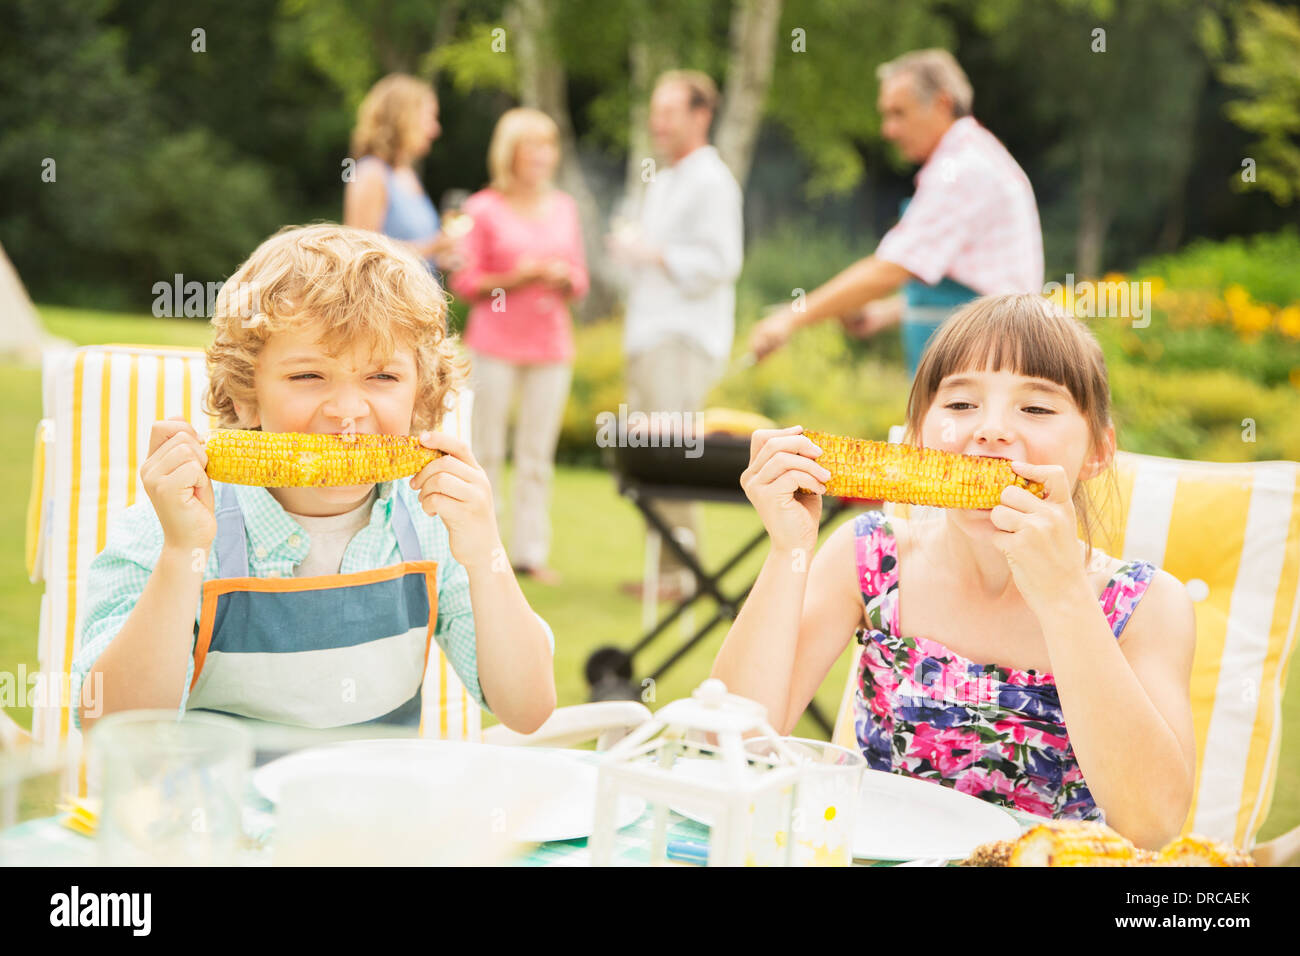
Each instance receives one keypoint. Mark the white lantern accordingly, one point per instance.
(747, 795)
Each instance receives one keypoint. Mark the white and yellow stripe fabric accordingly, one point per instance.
(447, 710)
(1231, 533)
(100, 405)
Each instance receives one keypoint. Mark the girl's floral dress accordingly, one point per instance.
(994, 732)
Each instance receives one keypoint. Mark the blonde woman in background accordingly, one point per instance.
(523, 265)
(396, 125)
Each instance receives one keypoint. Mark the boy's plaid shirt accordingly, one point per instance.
(276, 545)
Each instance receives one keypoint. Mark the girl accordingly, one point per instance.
(986, 633)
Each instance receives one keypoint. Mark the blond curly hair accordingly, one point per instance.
(390, 123)
(357, 287)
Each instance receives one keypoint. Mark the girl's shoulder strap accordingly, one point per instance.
(1121, 595)
(876, 552)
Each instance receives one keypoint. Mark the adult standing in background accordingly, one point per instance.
(685, 259)
(396, 124)
(523, 265)
(971, 229)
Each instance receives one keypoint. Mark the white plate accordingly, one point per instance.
(557, 789)
(902, 818)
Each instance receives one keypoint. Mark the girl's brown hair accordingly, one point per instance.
(354, 286)
(1031, 336)
(390, 121)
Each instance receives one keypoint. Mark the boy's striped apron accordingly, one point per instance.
(320, 651)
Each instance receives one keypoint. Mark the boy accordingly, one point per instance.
(323, 329)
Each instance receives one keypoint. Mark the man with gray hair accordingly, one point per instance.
(971, 229)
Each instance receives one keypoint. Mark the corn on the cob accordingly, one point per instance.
(997, 853)
(1072, 843)
(1194, 850)
(1082, 843)
(293, 459)
(906, 474)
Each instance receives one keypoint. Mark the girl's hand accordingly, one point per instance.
(175, 479)
(780, 462)
(1039, 537)
(456, 489)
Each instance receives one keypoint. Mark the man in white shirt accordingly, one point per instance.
(684, 261)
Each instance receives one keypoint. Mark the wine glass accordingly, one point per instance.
(455, 221)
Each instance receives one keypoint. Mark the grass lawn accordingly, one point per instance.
(598, 542)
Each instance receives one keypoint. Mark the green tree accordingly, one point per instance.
(1266, 72)
(1114, 88)
(101, 198)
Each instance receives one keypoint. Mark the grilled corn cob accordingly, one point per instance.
(292, 459)
(1073, 843)
(918, 476)
(997, 853)
(1081, 843)
(1194, 850)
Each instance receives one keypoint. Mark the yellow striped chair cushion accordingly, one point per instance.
(1231, 534)
(100, 404)
(446, 709)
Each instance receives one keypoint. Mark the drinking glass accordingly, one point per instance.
(172, 787)
(826, 802)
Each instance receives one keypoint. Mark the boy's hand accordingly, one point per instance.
(175, 479)
(456, 489)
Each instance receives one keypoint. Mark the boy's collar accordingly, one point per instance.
(270, 526)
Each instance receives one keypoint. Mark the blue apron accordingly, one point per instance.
(925, 307)
(323, 651)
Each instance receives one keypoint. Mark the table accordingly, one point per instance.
(47, 842)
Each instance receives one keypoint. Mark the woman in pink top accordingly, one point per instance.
(523, 264)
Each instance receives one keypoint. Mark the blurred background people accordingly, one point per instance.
(685, 256)
(971, 228)
(523, 265)
(396, 124)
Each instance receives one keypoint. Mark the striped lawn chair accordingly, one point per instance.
(1231, 534)
(100, 403)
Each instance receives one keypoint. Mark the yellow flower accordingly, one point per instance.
(1288, 321)
(1236, 297)
(1256, 319)
(1110, 277)
(1157, 285)
(1295, 377)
